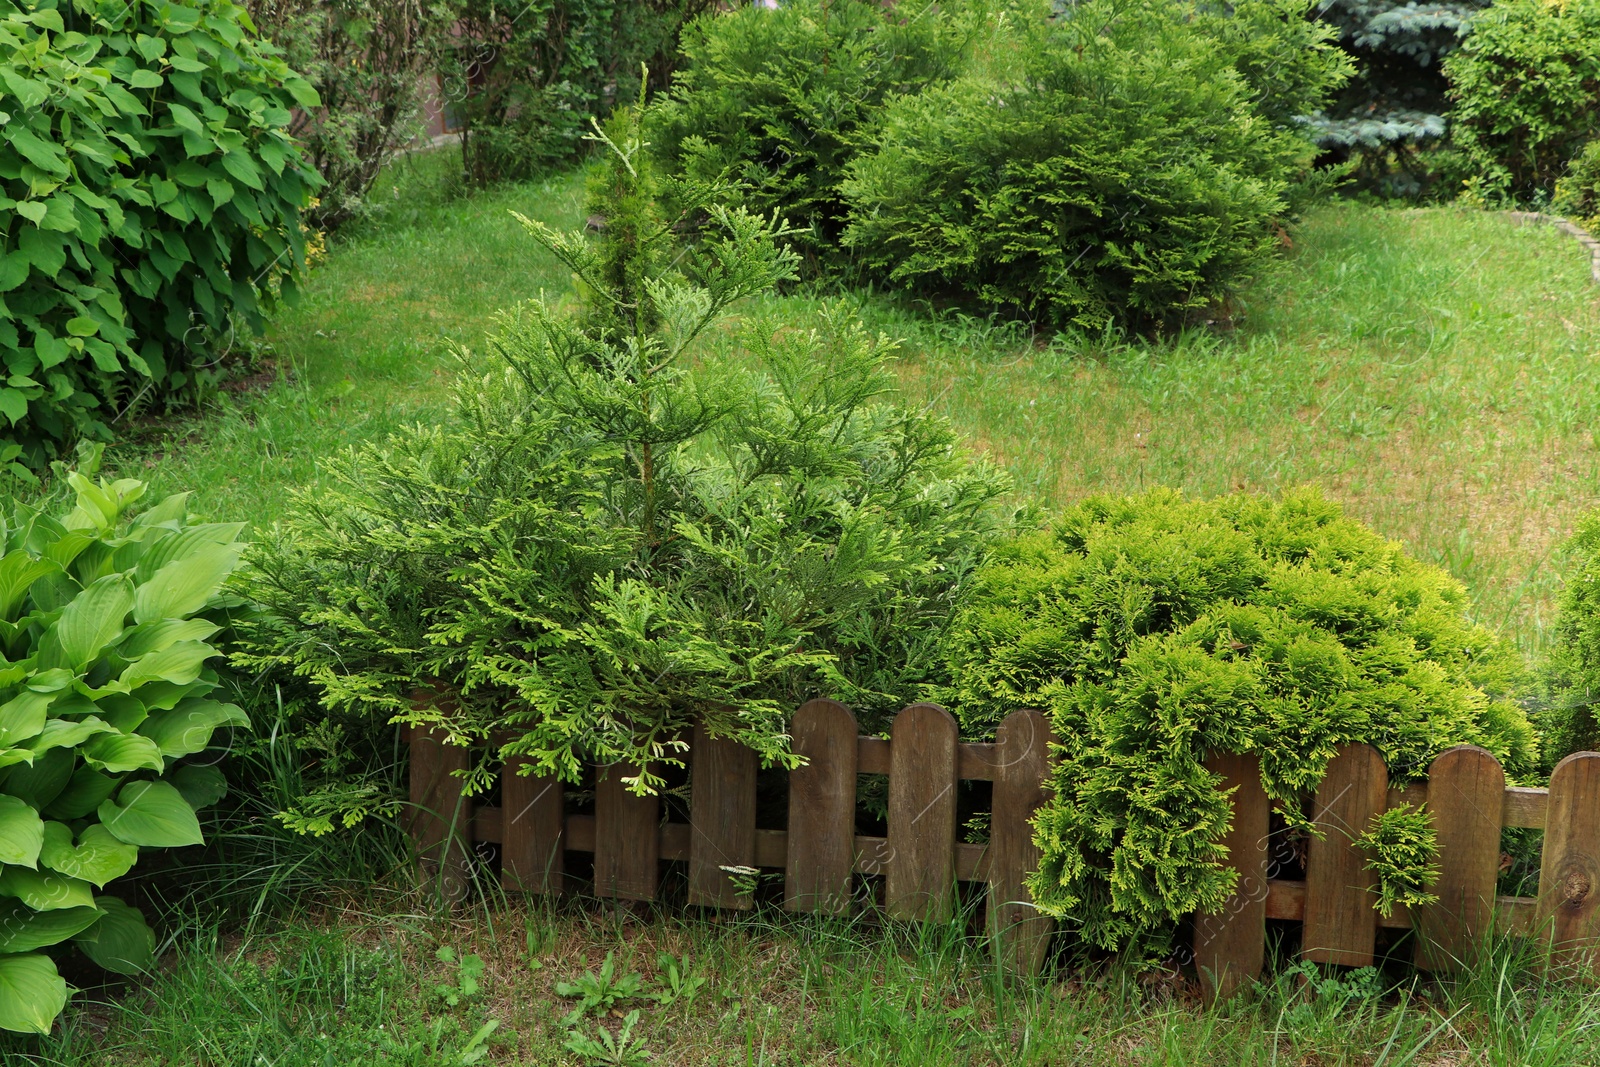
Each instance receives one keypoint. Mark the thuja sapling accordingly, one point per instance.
(645, 515)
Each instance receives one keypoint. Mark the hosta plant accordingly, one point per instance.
(105, 700)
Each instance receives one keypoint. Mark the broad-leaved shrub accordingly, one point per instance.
(1122, 173)
(629, 528)
(1158, 630)
(149, 202)
(1526, 86)
(778, 101)
(1578, 190)
(106, 698)
(1569, 720)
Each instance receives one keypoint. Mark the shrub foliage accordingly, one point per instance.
(1125, 175)
(105, 695)
(149, 201)
(1568, 721)
(1158, 630)
(1527, 90)
(779, 101)
(627, 531)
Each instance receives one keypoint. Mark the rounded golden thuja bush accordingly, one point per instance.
(1158, 630)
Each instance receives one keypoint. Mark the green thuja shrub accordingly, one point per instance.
(1526, 86)
(1120, 171)
(1568, 721)
(641, 517)
(1158, 630)
(106, 697)
(778, 101)
(150, 199)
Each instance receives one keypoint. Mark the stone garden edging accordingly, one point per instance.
(1566, 226)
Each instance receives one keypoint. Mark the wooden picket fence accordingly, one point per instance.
(922, 857)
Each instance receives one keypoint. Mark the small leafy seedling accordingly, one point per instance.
(603, 990)
(677, 983)
(609, 1050)
(465, 984)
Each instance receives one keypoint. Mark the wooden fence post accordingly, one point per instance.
(627, 838)
(920, 882)
(1021, 931)
(439, 813)
(822, 809)
(1466, 791)
(1230, 945)
(1341, 925)
(1569, 876)
(722, 820)
(532, 824)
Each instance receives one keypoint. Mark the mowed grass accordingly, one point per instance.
(351, 989)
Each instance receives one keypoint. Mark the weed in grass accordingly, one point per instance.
(606, 1049)
(601, 990)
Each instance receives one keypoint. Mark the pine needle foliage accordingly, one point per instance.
(627, 532)
(1158, 630)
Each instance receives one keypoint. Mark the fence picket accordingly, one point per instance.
(440, 816)
(532, 850)
(722, 820)
(822, 809)
(922, 814)
(1341, 925)
(1021, 931)
(627, 838)
(1569, 875)
(1466, 791)
(1230, 944)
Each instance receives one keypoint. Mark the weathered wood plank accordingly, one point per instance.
(1466, 791)
(1569, 876)
(1022, 763)
(822, 810)
(1230, 944)
(440, 817)
(922, 814)
(1341, 924)
(722, 820)
(975, 760)
(532, 853)
(1286, 899)
(1525, 807)
(627, 838)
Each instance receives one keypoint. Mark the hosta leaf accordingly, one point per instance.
(183, 586)
(42, 781)
(21, 832)
(22, 929)
(117, 753)
(98, 857)
(200, 786)
(69, 733)
(45, 890)
(23, 716)
(18, 571)
(178, 664)
(149, 637)
(94, 619)
(153, 814)
(121, 941)
(32, 994)
(188, 727)
(84, 792)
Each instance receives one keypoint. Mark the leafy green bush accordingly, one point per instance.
(629, 529)
(1124, 174)
(1158, 630)
(1578, 191)
(526, 75)
(1527, 90)
(779, 101)
(149, 200)
(366, 60)
(104, 623)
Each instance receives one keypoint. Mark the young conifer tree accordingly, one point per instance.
(648, 515)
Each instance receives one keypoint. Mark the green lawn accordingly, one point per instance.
(1432, 369)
